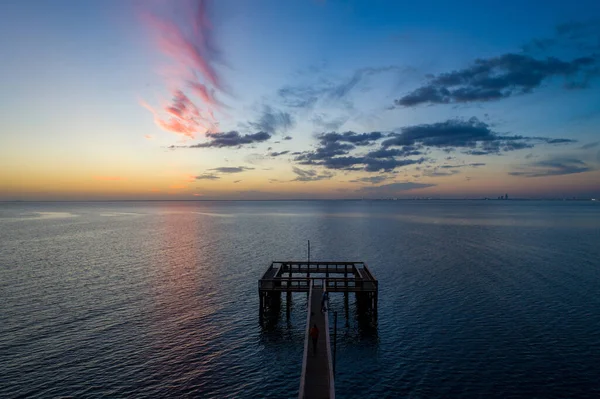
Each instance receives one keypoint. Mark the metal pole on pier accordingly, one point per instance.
(308, 263)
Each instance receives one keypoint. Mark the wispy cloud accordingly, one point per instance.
(215, 173)
(310, 175)
(439, 172)
(231, 169)
(323, 122)
(590, 145)
(228, 139)
(552, 167)
(370, 179)
(580, 35)
(208, 176)
(188, 42)
(473, 165)
(307, 96)
(273, 121)
(277, 154)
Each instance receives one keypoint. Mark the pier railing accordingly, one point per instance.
(296, 276)
(333, 284)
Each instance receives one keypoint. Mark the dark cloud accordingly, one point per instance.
(236, 181)
(350, 137)
(552, 167)
(333, 144)
(392, 189)
(365, 163)
(231, 169)
(472, 165)
(287, 138)
(229, 139)
(556, 141)
(389, 164)
(405, 151)
(474, 135)
(207, 176)
(453, 133)
(479, 152)
(277, 154)
(272, 121)
(310, 175)
(500, 77)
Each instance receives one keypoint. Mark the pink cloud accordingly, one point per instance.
(189, 43)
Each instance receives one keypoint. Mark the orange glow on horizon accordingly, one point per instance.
(110, 178)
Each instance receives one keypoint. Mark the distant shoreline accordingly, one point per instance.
(311, 200)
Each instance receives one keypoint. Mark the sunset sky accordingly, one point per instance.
(182, 99)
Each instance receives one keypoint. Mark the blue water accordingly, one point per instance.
(159, 299)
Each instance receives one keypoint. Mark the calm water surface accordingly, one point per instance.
(159, 299)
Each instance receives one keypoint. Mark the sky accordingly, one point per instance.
(188, 99)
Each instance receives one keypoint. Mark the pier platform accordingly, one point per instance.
(315, 277)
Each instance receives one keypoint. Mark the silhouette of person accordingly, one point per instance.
(323, 300)
(314, 334)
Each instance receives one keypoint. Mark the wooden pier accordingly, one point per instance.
(317, 380)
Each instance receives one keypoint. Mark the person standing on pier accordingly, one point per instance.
(314, 334)
(324, 299)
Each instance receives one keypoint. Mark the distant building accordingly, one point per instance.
(506, 196)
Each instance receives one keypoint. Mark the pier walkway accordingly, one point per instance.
(317, 374)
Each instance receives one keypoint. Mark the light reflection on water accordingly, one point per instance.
(160, 299)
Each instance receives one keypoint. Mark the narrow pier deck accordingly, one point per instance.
(317, 374)
(317, 380)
